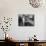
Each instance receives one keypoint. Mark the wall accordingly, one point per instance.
(11, 8)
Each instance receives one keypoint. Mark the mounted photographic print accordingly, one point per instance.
(26, 20)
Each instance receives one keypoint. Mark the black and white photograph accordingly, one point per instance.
(26, 20)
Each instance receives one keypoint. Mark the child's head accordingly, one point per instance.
(34, 35)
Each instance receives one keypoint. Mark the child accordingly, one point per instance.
(35, 38)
